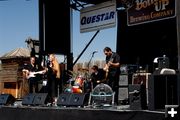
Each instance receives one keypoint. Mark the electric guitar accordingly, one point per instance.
(30, 74)
(106, 69)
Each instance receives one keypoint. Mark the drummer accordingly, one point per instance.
(97, 75)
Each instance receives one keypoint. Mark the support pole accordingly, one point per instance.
(85, 47)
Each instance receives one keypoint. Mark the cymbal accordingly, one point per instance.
(83, 69)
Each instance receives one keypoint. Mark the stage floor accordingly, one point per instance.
(18, 112)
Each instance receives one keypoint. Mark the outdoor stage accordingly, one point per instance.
(77, 113)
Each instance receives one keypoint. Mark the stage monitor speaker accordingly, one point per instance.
(78, 99)
(72, 99)
(163, 90)
(137, 97)
(40, 99)
(6, 99)
(28, 99)
(64, 99)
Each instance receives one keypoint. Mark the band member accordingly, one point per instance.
(112, 68)
(29, 71)
(97, 75)
(53, 76)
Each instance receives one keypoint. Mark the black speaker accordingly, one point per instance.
(64, 99)
(6, 99)
(137, 97)
(28, 99)
(163, 90)
(72, 99)
(78, 99)
(40, 99)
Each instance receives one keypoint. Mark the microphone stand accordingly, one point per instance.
(90, 60)
(88, 68)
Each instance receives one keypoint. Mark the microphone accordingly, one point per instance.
(94, 52)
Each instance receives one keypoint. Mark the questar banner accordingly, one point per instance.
(98, 16)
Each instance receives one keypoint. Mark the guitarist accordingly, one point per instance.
(112, 68)
(32, 80)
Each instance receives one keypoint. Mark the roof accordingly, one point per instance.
(17, 53)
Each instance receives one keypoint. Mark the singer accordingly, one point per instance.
(53, 76)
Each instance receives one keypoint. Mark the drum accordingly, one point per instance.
(79, 81)
(76, 89)
(68, 90)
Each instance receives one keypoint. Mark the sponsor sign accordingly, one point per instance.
(98, 17)
(143, 11)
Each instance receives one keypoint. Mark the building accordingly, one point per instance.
(11, 76)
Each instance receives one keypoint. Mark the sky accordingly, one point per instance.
(19, 19)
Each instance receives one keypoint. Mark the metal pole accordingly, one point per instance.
(85, 47)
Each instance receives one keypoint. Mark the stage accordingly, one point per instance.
(19, 112)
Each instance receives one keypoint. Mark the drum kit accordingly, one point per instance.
(77, 81)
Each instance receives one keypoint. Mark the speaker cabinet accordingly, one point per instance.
(163, 90)
(78, 99)
(40, 99)
(72, 99)
(6, 99)
(35, 99)
(123, 80)
(123, 95)
(137, 97)
(28, 99)
(64, 99)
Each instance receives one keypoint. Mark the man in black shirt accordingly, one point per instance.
(112, 68)
(30, 70)
(97, 75)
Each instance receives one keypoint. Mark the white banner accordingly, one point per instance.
(98, 17)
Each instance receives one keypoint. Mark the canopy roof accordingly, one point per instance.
(16, 53)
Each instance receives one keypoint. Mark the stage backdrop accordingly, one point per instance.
(140, 44)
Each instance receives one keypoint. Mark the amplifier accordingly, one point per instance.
(123, 80)
(141, 78)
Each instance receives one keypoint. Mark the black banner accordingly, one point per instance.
(143, 11)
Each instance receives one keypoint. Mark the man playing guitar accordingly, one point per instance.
(31, 70)
(112, 68)
(30, 74)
